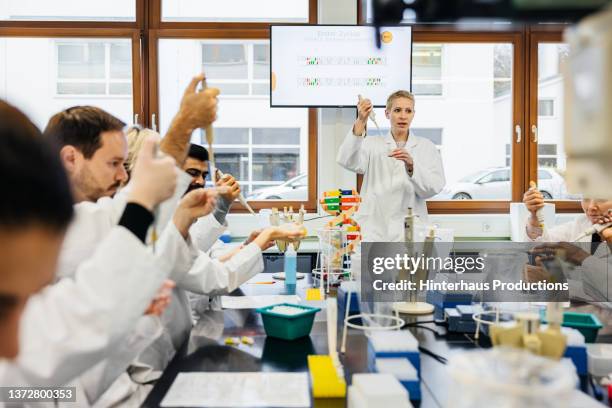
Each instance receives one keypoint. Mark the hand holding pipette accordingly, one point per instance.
(534, 201)
(365, 110)
(539, 216)
(604, 223)
(220, 177)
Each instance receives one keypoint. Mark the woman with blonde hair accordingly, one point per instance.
(400, 170)
(135, 136)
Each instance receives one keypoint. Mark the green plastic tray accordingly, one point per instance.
(288, 327)
(586, 323)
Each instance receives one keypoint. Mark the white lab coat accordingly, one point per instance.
(93, 221)
(205, 232)
(71, 302)
(72, 325)
(388, 191)
(192, 270)
(208, 277)
(566, 232)
(592, 281)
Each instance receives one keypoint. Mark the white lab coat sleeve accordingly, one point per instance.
(205, 232)
(174, 252)
(220, 248)
(565, 232)
(70, 326)
(212, 277)
(427, 172)
(99, 379)
(353, 154)
(165, 211)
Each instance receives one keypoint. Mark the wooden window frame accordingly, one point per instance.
(145, 32)
(133, 30)
(148, 28)
(524, 163)
(159, 29)
(538, 35)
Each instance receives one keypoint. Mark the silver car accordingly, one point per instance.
(292, 189)
(494, 184)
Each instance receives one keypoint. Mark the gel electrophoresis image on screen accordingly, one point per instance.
(326, 65)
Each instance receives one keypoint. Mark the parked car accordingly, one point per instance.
(495, 184)
(292, 189)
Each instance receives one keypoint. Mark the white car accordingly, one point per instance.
(494, 184)
(292, 189)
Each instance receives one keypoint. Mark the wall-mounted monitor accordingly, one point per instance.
(330, 65)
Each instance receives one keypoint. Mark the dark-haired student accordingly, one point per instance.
(52, 333)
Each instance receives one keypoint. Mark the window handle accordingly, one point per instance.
(534, 130)
(136, 119)
(153, 123)
(517, 130)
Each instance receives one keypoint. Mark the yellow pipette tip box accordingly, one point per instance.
(324, 378)
(313, 294)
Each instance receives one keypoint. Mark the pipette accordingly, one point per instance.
(372, 115)
(241, 198)
(210, 138)
(595, 229)
(540, 217)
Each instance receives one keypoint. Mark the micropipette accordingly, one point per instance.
(595, 229)
(372, 115)
(539, 215)
(241, 198)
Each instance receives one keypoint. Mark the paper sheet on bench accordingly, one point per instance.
(253, 302)
(227, 389)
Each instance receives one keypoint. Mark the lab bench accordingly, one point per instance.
(205, 350)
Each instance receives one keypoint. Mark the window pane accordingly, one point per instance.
(550, 120)
(40, 83)
(120, 61)
(546, 107)
(80, 88)
(81, 61)
(230, 89)
(267, 147)
(82, 10)
(224, 61)
(275, 165)
(427, 69)
(233, 161)
(502, 69)
(120, 89)
(473, 125)
(544, 149)
(261, 89)
(231, 136)
(236, 10)
(276, 136)
(261, 61)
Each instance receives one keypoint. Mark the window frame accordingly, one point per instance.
(107, 80)
(132, 30)
(524, 156)
(148, 28)
(541, 35)
(158, 29)
(144, 34)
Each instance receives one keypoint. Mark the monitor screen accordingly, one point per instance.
(329, 66)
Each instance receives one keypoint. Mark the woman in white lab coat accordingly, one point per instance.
(400, 170)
